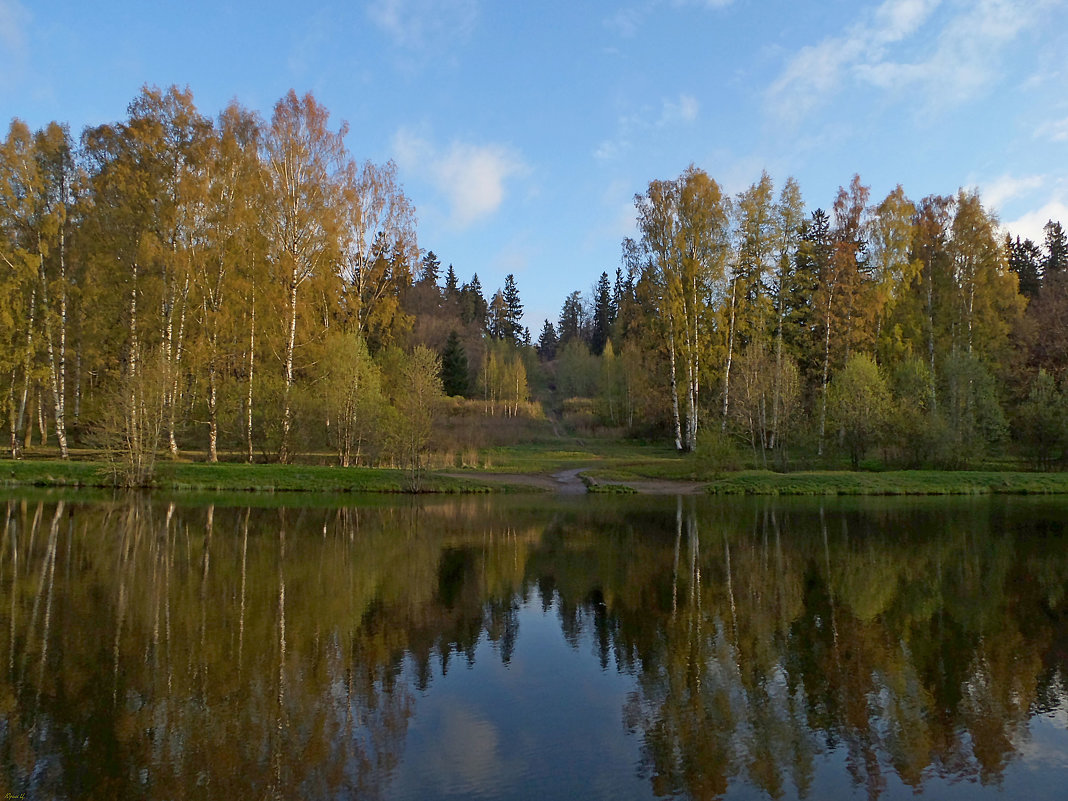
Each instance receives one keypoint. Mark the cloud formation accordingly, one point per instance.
(681, 110)
(14, 20)
(959, 60)
(996, 192)
(472, 178)
(417, 24)
(1030, 225)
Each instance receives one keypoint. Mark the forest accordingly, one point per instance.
(247, 289)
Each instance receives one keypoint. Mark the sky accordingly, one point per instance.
(523, 130)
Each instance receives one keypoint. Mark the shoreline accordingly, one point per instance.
(569, 480)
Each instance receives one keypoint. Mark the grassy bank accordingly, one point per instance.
(893, 482)
(234, 477)
(606, 464)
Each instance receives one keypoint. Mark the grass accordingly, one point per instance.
(609, 460)
(891, 482)
(235, 477)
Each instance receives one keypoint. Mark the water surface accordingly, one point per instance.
(514, 648)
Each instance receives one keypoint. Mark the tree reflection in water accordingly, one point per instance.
(165, 651)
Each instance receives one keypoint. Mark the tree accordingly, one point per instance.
(893, 270)
(1025, 259)
(379, 249)
(603, 315)
(351, 392)
(430, 269)
(454, 367)
(547, 342)
(473, 307)
(684, 227)
(572, 322)
(416, 401)
(1042, 419)
(987, 303)
(225, 275)
(1056, 243)
(452, 291)
(302, 160)
(974, 418)
(859, 402)
(840, 282)
(513, 319)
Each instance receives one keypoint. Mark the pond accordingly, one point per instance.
(533, 647)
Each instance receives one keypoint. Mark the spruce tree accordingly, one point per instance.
(1056, 250)
(603, 315)
(431, 268)
(454, 377)
(452, 290)
(547, 342)
(514, 310)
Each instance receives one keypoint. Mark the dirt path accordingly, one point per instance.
(568, 482)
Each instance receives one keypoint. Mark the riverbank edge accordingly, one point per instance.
(273, 478)
(893, 482)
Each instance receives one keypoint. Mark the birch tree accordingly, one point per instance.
(684, 228)
(302, 161)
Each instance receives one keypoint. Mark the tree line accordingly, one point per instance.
(173, 280)
(176, 281)
(913, 326)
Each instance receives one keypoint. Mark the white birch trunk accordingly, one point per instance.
(287, 412)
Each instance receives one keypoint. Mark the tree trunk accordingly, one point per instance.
(674, 389)
(56, 370)
(730, 356)
(251, 367)
(287, 413)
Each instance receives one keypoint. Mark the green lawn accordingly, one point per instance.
(892, 482)
(236, 477)
(606, 460)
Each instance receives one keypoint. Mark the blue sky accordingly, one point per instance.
(522, 130)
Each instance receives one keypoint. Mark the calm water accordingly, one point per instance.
(532, 648)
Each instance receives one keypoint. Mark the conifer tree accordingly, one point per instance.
(454, 366)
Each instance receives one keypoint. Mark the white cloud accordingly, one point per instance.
(14, 21)
(416, 24)
(682, 110)
(999, 190)
(1054, 131)
(673, 111)
(960, 60)
(472, 178)
(1029, 225)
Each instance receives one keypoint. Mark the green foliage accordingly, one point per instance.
(1043, 420)
(969, 403)
(859, 405)
(416, 396)
(716, 453)
(577, 370)
(351, 392)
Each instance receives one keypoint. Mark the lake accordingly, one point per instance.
(533, 647)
